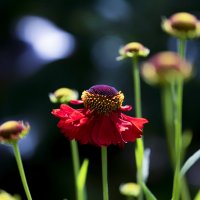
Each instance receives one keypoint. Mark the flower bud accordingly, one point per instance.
(5, 196)
(130, 189)
(133, 49)
(165, 67)
(13, 131)
(63, 95)
(182, 25)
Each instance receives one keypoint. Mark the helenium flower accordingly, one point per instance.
(101, 121)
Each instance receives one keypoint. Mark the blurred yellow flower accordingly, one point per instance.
(130, 189)
(182, 25)
(5, 196)
(63, 95)
(133, 49)
(165, 67)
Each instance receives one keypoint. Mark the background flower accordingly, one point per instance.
(165, 67)
(132, 49)
(13, 131)
(182, 25)
(63, 95)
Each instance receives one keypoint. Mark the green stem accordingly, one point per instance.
(136, 85)
(76, 166)
(139, 152)
(168, 95)
(167, 105)
(182, 44)
(185, 194)
(178, 138)
(104, 173)
(21, 169)
(182, 47)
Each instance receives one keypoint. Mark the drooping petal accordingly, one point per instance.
(130, 128)
(105, 132)
(70, 120)
(135, 130)
(87, 127)
(138, 122)
(66, 111)
(98, 130)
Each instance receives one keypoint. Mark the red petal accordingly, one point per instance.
(105, 131)
(126, 108)
(100, 130)
(135, 130)
(76, 102)
(138, 122)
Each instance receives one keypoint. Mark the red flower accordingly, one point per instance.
(101, 121)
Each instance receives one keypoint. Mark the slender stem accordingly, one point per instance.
(182, 47)
(139, 152)
(178, 126)
(21, 169)
(104, 173)
(178, 139)
(182, 44)
(136, 85)
(76, 166)
(185, 194)
(167, 105)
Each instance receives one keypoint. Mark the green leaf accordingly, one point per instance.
(186, 141)
(190, 161)
(187, 138)
(149, 195)
(82, 174)
(197, 197)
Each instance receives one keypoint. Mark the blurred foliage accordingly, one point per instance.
(49, 169)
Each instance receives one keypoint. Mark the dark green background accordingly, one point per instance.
(49, 169)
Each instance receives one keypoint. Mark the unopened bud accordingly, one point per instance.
(13, 131)
(63, 95)
(133, 49)
(5, 196)
(182, 25)
(130, 189)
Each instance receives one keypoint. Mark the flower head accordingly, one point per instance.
(12, 131)
(133, 49)
(101, 121)
(63, 95)
(182, 25)
(164, 67)
(5, 196)
(130, 189)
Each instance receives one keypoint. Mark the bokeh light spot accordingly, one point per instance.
(48, 41)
